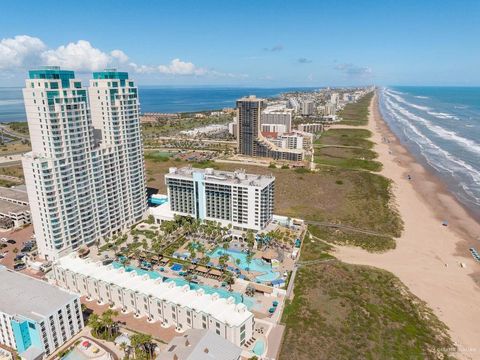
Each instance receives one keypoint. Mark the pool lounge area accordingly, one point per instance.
(223, 293)
(267, 274)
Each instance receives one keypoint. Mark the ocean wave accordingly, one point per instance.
(403, 101)
(466, 176)
(10, 102)
(445, 134)
(442, 115)
(422, 97)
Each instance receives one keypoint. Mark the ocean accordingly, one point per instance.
(158, 99)
(441, 128)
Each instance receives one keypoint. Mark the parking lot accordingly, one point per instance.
(20, 237)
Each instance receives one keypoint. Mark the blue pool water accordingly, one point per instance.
(156, 201)
(223, 293)
(257, 265)
(75, 355)
(259, 347)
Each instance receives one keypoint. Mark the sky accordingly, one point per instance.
(247, 42)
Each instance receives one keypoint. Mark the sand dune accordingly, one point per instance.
(428, 256)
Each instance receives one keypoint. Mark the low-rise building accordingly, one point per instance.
(157, 300)
(311, 128)
(14, 207)
(36, 318)
(242, 200)
(200, 345)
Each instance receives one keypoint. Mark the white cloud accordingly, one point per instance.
(20, 51)
(119, 55)
(23, 52)
(81, 56)
(353, 70)
(179, 67)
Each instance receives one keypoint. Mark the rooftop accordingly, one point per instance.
(200, 345)
(238, 177)
(17, 193)
(29, 297)
(10, 207)
(224, 310)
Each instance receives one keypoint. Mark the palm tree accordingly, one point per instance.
(143, 342)
(230, 280)
(107, 321)
(95, 323)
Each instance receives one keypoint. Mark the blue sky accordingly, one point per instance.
(248, 43)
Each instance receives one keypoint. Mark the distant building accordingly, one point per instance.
(276, 128)
(329, 109)
(250, 140)
(334, 97)
(311, 128)
(243, 200)
(200, 345)
(36, 318)
(157, 300)
(307, 107)
(276, 116)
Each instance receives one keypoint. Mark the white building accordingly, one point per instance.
(329, 109)
(85, 174)
(14, 208)
(274, 128)
(334, 97)
(36, 318)
(307, 107)
(243, 200)
(274, 115)
(158, 301)
(311, 128)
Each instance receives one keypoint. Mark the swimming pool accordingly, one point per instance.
(257, 265)
(75, 354)
(223, 293)
(259, 347)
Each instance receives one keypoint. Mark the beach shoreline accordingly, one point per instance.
(432, 260)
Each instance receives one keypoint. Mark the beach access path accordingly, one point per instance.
(432, 260)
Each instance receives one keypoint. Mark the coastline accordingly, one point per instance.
(428, 256)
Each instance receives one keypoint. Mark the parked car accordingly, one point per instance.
(19, 266)
(11, 241)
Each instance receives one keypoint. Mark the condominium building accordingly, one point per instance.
(311, 128)
(329, 109)
(36, 318)
(249, 137)
(307, 107)
(278, 116)
(274, 128)
(85, 174)
(242, 200)
(156, 300)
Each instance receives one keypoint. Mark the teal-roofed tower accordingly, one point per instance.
(85, 174)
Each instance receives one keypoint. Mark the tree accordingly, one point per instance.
(229, 279)
(143, 343)
(249, 259)
(95, 323)
(107, 322)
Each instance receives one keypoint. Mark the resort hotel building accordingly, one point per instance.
(85, 174)
(250, 141)
(36, 318)
(244, 201)
(159, 301)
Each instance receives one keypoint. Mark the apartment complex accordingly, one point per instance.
(36, 318)
(157, 300)
(311, 128)
(85, 174)
(278, 116)
(249, 137)
(307, 107)
(242, 200)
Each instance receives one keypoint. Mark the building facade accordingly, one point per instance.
(311, 128)
(244, 201)
(307, 108)
(250, 141)
(279, 117)
(154, 299)
(85, 174)
(36, 318)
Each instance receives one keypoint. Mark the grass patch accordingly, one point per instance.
(356, 114)
(16, 171)
(343, 311)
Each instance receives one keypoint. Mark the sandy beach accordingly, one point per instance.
(428, 257)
